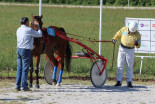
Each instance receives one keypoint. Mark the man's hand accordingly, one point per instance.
(113, 41)
(136, 43)
(37, 26)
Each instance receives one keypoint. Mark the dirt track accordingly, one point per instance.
(81, 94)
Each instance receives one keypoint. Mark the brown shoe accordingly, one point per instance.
(26, 89)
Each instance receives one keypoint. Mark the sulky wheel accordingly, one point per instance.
(48, 72)
(97, 79)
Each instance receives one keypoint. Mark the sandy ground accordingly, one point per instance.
(80, 94)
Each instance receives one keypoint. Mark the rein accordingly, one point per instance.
(91, 40)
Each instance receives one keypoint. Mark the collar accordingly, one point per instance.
(24, 26)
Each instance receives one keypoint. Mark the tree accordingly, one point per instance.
(121, 2)
(68, 1)
(152, 2)
(134, 2)
(79, 2)
(148, 2)
(45, 1)
(96, 2)
(142, 2)
(110, 2)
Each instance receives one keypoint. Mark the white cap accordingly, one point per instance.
(133, 26)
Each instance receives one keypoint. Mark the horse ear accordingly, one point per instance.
(32, 16)
(41, 16)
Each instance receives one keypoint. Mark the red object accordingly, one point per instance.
(153, 25)
(105, 60)
(136, 43)
(44, 28)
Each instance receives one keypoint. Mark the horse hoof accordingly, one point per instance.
(30, 85)
(37, 86)
(54, 82)
(58, 84)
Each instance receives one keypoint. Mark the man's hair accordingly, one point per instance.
(24, 20)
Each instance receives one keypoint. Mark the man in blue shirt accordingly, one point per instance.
(25, 36)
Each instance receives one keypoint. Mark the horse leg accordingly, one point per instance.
(61, 70)
(31, 72)
(37, 71)
(55, 63)
(61, 58)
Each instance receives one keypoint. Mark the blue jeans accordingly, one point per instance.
(23, 63)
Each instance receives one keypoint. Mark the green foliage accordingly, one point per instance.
(144, 2)
(134, 2)
(45, 1)
(36, 1)
(111, 2)
(96, 2)
(152, 2)
(148, 2)
(121, 2)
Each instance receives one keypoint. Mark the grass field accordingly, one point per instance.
(79, 21)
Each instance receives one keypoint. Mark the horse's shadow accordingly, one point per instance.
(106, 88)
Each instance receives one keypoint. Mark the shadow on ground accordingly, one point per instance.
(83, 88)
(19, 99)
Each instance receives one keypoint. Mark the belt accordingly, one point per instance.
(126, 47)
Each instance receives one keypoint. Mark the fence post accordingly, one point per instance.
(128, 3)
(100, 30)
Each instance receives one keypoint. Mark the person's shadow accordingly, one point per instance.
(18, 99)
(108, 88)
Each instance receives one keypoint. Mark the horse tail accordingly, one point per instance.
(68, 56)
(68, 53)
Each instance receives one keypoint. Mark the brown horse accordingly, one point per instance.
(55, 44)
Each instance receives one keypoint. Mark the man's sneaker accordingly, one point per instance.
(17, 89)
(26, 89)
(130, 85)
(118, 83)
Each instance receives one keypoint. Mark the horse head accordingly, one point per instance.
(36, 21)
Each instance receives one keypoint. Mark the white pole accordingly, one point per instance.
(141, 65)
(100, 30)
(40, 13)
(40, 7)
(128, 3)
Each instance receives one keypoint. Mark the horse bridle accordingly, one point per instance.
(34, 25)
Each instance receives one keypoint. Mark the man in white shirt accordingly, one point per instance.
(25, 36)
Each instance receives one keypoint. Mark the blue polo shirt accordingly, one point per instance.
(25, 37)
